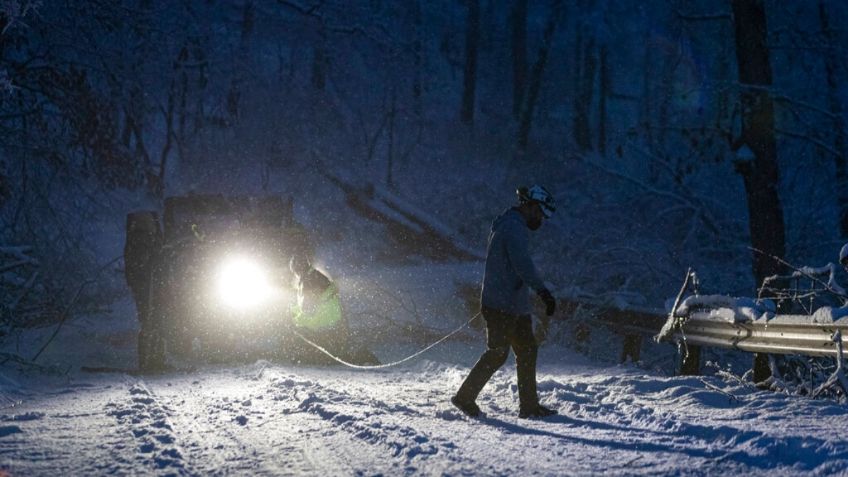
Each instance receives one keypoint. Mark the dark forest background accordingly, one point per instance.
(673, 133)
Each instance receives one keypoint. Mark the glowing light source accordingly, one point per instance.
(242, 283)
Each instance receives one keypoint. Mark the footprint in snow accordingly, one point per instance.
(452, 415)
(9, 430)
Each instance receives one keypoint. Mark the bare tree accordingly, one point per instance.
(840, 156)
(418, 57)
(583, 99)
(760, 173)
(535, 84)
(604, 93)
(234, 94)
(469, 82)
(320, 60)
(518, 22)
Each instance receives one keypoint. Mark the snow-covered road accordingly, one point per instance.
(270, 419)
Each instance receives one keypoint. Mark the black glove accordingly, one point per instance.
(548, 300)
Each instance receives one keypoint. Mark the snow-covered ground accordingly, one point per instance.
(268, 419)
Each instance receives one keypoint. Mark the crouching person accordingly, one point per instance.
(317, 315)
(506, 305)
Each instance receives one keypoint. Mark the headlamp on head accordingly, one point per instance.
(539, 195)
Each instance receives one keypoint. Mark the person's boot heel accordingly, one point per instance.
(537, 411)
(468, 408)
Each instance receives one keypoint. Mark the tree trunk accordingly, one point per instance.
(158, 187)
(665, 99)
(418, 58)
(4, 23)
(518, 19)
(234, 95)
(198, 53)
(834, 103)
(760, 174)
(182, 98)
(646, 123)
(583, 100)
(604, 92)
(390, 153)
(724, 101)
(319, 62)
(469, 83)
(535, 83)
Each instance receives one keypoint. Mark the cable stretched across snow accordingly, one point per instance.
(385, 365)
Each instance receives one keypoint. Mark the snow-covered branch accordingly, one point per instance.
(19, 275)
(408, 223)
(804, 137)
(12, 12)
(838, 378)
(316, 12)
(811, 273)
(698, 210)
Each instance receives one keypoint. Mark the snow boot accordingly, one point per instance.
(469, 408)
(537, 411)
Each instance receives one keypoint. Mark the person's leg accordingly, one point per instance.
(489, 362)
(526, 350)
(524, 345)
(492, 359)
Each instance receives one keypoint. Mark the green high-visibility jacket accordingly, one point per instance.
(325, 313)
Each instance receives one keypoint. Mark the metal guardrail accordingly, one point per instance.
(783, 334)
(780, 334)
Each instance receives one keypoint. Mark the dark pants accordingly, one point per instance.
(502, 332)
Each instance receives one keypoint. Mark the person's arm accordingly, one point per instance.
(519, 257)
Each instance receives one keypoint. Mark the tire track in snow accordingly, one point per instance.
(218, 415)
(55, 434)
(365, 419)
(205, 422)
(143, 416)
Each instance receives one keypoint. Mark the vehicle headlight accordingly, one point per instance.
(243, 283)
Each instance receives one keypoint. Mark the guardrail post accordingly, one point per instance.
(762, 371)
(690, 359)
(631, 347)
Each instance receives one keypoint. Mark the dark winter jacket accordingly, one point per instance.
(509, 268)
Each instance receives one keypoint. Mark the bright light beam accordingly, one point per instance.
(242, 283)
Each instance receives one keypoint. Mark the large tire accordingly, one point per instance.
(143, 240)
(141, 251)
(169, 308)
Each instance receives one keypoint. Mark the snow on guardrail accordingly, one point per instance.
(752, 325)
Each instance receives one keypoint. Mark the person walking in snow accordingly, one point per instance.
(506, 304)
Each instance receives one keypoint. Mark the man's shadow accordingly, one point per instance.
(767, 461)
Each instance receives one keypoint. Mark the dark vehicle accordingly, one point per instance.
(229, 278)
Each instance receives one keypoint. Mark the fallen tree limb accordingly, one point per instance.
(415, 230)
